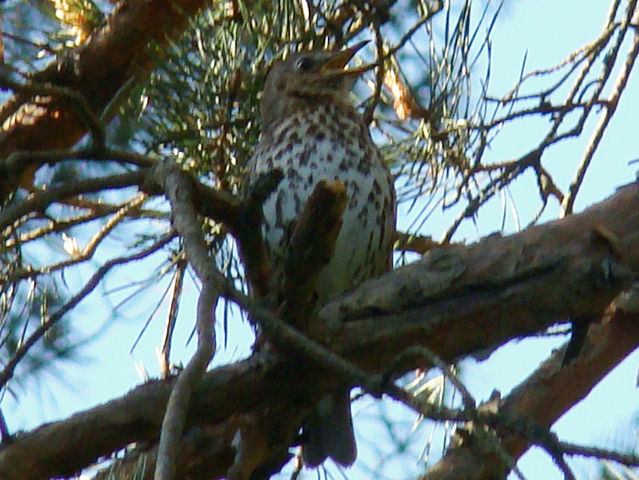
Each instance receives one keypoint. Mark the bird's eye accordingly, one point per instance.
(304, 64)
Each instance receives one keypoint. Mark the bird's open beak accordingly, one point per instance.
(336, 62)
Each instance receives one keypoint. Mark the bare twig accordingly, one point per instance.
(627, 459)
(406, 242)
(367, 116)
(42, 199)
(21, 351)
(171, 318)
(97, 210)
(632, 15)
(435, 361)
(18, 159)
(4, 429)
(89, 249)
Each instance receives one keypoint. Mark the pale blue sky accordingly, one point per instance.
(548, 31)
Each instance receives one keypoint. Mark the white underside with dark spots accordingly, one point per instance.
(307, 150)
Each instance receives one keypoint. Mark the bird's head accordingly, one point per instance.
(308, 77)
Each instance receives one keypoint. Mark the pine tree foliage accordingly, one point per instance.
(423, 124)
(427, 99)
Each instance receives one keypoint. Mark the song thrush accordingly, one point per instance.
(312, 132)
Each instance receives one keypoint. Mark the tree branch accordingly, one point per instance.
(311, 247)
(632, 16)
(502, 287)
(43, 198)
(407, 242)
(178, 188)
(86, 253)
(506, 287)
(97, 70)
(543, 398)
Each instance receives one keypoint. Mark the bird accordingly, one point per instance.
(311, 131)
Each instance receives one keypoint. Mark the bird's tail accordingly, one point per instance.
(329, 431)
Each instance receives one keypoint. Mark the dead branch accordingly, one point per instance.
(312, 246)
(632, 17)
(86, 253)
(176, 292)
(406, 242)
(42, 199)
(584, 75)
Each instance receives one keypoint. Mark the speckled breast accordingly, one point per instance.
(330, 143)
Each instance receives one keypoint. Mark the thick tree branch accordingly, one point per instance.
(97, 70)
(505, 287)
(543, 398)
(455, 301)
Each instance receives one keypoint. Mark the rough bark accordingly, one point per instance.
(111, 57)
(460, 300)
(456, 301)
(543, 398)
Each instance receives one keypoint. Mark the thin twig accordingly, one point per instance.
(97, 211)
(627, 459)
(406, 242)
(89, 249)
(611, 107)
(172, 317)
(19, 158)
(4, 429)
(42, 199)
(21, 351)
(434, 360)
(379, 76)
